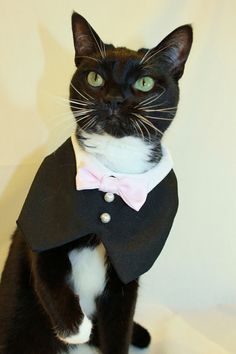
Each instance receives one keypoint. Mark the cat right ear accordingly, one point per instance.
(173, 50)
(86, 40)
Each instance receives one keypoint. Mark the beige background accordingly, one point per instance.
(195, 275)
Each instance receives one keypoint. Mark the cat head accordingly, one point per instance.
(123, 92)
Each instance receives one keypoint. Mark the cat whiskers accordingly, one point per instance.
(159, 118)
(87, 57)
(81, 112)
(69, 121)
(90, 123)
(82, 94)
(153, 97)
(153, 109)
(152, 52)
(65, 101)
(146, 111)
(145, 55)
(150, 99)
(101, 46)
(147, 122)
(149, 136)
(78, 107)
(69, 118)
(138, 129)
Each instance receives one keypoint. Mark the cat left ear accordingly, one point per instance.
(174, 50)
(86, 40)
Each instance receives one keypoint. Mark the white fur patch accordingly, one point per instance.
(82, 336)
(88, 276)
(123, 155)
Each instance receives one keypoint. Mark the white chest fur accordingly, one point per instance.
(125, 155)
(88, 276)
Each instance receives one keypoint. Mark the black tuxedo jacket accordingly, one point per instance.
(55, 213)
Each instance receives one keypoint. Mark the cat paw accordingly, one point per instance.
(82, 336)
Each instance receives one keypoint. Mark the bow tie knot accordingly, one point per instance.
(133, 191)
(109, 184)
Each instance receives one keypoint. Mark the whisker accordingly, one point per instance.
(140, 129)
(149, 136)
(81, 103)
(152, 106)
(79, 92)
(146, 100)
(82, 118)
(90, 123)
(159, 118)
(104, 47)
(83, 111)
(85, 56)
(70, 117)
(156, 53)
(145, 120)
(145, 55)
(152, 126)
(145, 112)
(147, 109)
(66, 102)
(63, 114)
(68, 122)
(154, 99)
(94, 37)
(132, 121)
(86, 98)
(150, 99)
(83, 108)
(63, 121)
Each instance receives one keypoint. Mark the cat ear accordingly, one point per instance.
(86, 40)
(174, 50)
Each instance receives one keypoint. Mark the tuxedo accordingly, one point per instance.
(56, 213)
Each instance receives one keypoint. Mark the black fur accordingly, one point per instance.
(36, 302)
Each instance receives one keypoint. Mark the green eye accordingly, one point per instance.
(94, 79)
(144, 84)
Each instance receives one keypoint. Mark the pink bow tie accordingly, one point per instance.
(133, 191)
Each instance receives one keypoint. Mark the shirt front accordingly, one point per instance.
(151, 178)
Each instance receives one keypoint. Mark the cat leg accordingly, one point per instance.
(115, 311)
(51, 271)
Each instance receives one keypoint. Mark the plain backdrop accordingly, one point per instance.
(197, 267)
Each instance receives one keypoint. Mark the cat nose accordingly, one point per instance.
(113, 103)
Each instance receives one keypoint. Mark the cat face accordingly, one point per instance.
(122, 92)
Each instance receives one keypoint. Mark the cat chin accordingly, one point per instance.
(128, 154)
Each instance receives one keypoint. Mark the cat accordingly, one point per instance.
(123, 101)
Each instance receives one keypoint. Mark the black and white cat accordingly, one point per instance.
(57, 299)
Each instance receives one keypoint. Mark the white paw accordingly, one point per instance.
(84, 333)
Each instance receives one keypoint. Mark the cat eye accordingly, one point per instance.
(95, 80)
(144, 84)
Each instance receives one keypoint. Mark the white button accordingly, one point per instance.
(109, 197)
(105, 218)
